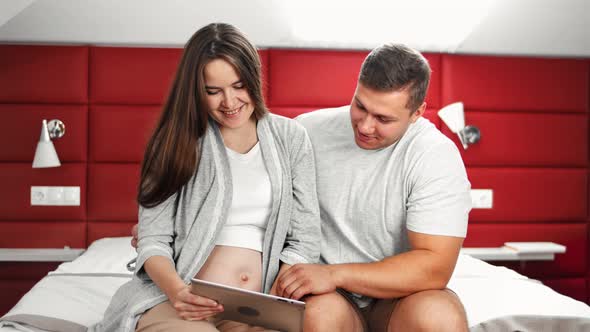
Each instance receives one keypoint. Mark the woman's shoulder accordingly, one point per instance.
(284, 125)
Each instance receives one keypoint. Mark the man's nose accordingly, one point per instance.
(367, 125)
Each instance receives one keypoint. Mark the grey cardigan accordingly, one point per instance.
(185, 232)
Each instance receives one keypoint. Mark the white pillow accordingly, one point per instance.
(107, 255)
(111, 255)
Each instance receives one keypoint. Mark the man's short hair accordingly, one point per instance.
(392, 67)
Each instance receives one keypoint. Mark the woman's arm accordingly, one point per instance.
(302, 244)
(188, 305)
(155, 261)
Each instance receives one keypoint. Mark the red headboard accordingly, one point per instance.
(532, 112)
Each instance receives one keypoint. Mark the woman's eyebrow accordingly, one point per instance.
(216, 87)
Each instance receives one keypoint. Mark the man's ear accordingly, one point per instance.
(418, 113)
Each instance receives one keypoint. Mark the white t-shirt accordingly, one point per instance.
(251, 201)
(370, 198)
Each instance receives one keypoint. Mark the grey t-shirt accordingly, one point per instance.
(370, 198)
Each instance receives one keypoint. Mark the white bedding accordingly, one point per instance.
(495, 298)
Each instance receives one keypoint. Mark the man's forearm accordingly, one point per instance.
(395, 276)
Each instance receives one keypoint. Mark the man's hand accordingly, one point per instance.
(282, 270)
(303, 279)
(134, 236)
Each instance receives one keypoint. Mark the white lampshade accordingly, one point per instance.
(45, 154)
(453, 116)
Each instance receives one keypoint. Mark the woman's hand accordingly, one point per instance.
(190, 306)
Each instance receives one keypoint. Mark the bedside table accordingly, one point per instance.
(39, 255)
(517, 251)
(21, 269)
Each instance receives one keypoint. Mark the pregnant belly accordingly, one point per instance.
(233, 266)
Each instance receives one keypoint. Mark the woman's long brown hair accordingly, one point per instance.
(172, 154)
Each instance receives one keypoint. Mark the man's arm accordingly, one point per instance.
(429, 265)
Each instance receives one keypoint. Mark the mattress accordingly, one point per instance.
(76, 294)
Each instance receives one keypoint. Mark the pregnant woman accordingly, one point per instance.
(227, 192)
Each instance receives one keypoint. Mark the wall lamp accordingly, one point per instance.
(453, 116)
(45, 154)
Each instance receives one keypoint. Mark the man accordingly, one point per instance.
(394, 201)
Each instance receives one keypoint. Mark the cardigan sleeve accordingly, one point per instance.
(302, 244)
(155, 234)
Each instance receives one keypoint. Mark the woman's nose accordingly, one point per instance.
(229, 100)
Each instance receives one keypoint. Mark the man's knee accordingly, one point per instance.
(325, 307)
(429, 311)
(330, 312)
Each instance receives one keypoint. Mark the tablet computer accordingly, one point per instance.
(254, 308)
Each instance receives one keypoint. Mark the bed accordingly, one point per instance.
(75, 295)
(108, 95)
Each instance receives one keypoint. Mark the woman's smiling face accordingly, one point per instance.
(227, 98)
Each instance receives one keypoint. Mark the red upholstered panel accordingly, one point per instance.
(17, 179)
(43, 74)
(572, 287)
(110, 126)
(509, 84)
(12, 291)
(573, 263)
(136, 75)
(434, 89)
(265, 83)
(132, 75)
(531, 194)
(313, 78)
(27, 121)
(431, 115)
(326, 78)
(26, 270)
(17, 278)
(99, 229)
(519, 139)
(43, 234)
(112, 191)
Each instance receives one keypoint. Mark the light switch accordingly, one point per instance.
(482, 198)
(55, 196)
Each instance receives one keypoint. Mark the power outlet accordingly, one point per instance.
(55, 196)
(482, 198)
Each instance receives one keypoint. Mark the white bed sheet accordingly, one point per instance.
(494, 297)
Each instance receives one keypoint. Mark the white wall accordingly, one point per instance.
(519, 27)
